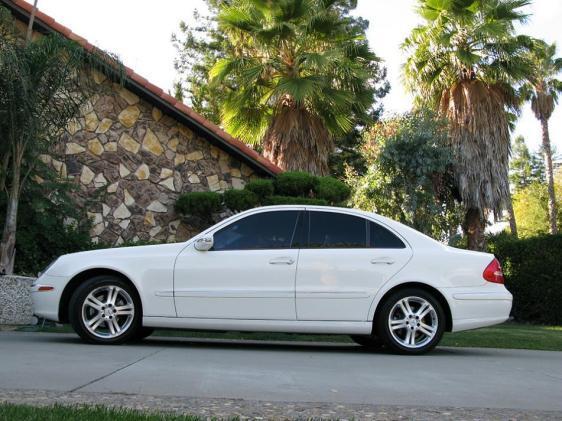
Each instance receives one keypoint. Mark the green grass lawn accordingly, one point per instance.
(507, 335)
(9, 412)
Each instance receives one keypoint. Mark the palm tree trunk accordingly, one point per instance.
(552, 211)
(8, 244)
(511, 217)
(29, 35)
(298, 141)
(474, 226)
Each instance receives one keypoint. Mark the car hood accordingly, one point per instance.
(115, 258)
(127, 251)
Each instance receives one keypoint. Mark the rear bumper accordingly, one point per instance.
(476, 307)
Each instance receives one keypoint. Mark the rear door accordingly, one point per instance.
(343, 263)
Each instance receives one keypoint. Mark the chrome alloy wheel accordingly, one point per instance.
(413, 322)
(108, 311)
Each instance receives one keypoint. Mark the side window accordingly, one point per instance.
(266, 230)
(381, 238)
(337, 230)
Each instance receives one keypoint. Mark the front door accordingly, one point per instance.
(248, 274)
(346, 261)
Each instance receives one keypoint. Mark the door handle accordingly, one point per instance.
(382, 261)
(281, 261)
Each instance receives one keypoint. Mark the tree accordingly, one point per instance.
(199, 47)
(525, 168)
(42, 86)
(464, 62)
(542, 90)
(409, 174)
(531, 207)
(297, 74)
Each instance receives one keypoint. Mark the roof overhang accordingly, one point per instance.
(155, 95)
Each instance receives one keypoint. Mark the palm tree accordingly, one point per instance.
(298, 73)
(42, 87)
(542, 90)
(464, 61)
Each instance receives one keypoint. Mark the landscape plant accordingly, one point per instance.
(542, 90)
(289, 188)
(290, 76)
(408, 174)
(464, 61)
(43, 84)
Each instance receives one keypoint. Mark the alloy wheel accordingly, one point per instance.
(413, 322)
(108, 311)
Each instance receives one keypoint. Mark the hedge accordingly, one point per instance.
(240, 200)
(291, 200)
(533, 271)
(332, 190)
(295, 184)
(201, 204)
(262, 188)
(289, 188)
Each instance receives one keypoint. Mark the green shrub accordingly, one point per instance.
(291, 200)
(49, 225)
(295, 183)
(332, 190)
(261, 188)
(200, 204)
(533, 271)
(239, 200)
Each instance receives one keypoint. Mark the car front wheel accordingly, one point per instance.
(411, 321)
(106, 310)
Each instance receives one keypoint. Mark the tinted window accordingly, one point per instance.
(267, 230)
(381, 238)
(300, 239)
(337, 230)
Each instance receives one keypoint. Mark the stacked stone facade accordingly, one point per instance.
(131, 161)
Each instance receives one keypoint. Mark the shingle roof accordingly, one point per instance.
(134, 78)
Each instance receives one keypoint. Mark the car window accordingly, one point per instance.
(381, 238)
(337, 230)
(300, 238)
(266, 230)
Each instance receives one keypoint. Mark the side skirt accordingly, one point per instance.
(286, 326)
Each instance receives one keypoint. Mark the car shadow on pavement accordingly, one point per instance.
(264, 345)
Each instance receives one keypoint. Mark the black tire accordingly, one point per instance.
(382, 327)
(143, 333)
(368, 341)
(76, 310)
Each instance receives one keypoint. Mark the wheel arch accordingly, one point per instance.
(79, 278)
(428, 288)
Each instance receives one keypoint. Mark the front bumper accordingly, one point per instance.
(46, 302)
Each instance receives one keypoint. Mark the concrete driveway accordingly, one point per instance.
(296, 372)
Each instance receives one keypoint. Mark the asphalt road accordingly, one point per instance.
(298, 372)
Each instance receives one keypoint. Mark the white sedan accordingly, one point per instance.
(305, 269)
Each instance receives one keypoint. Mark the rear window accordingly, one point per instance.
(382, 238)
(337, 230)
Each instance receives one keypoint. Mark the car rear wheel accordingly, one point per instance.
(106, 310)
(411, 321)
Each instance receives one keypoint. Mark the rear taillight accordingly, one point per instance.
(493, 272)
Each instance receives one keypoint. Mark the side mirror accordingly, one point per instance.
(204, 243)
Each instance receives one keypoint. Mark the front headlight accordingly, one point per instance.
(47, 268)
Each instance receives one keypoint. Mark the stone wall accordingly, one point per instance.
(16, 307)
(131, 162)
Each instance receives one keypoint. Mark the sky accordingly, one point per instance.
(139, 32)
